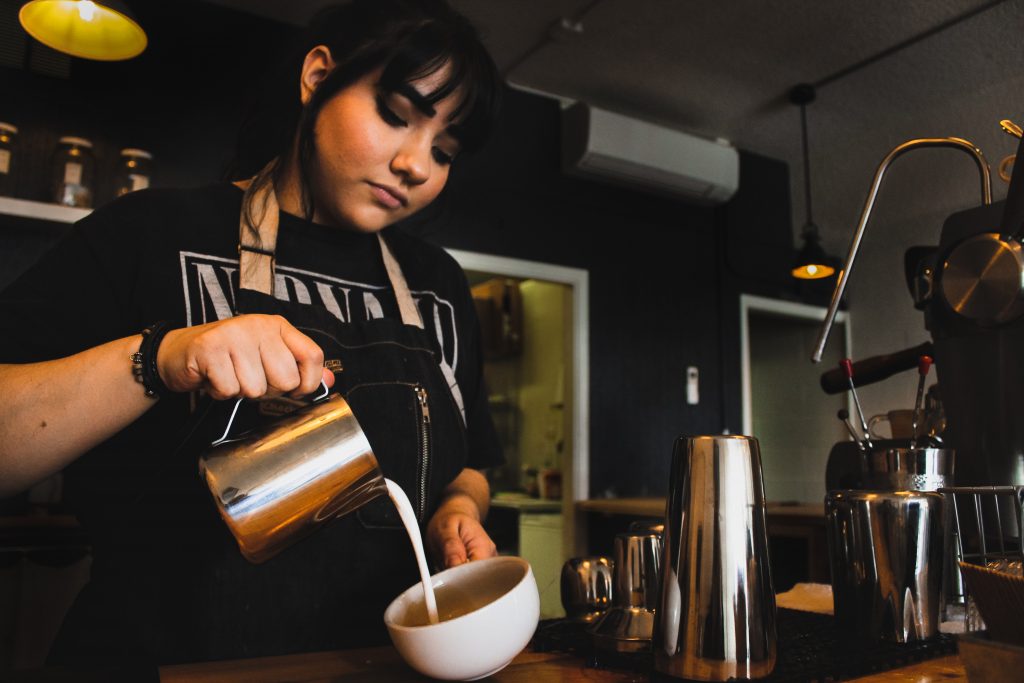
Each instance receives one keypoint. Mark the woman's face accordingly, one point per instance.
(380, 157)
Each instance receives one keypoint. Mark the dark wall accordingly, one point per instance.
(664, 276)
(182, 99)
(653, 294)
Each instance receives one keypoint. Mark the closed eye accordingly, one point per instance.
(442, 157)
(388, 114)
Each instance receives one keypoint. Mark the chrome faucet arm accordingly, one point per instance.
(899, 150)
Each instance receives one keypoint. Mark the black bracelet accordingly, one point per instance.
(144, 360)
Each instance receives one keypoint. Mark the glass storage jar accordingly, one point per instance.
(8, 136)
(133, 171)
(74, 172)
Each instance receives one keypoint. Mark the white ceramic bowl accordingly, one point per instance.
(489, 611)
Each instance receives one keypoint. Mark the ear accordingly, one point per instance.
(315, 67)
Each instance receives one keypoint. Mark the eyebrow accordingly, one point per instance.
(417, 98)
(422, 103)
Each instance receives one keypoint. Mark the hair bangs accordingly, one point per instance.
(471, 77)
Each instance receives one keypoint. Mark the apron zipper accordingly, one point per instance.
(421, 395)
(424, 436)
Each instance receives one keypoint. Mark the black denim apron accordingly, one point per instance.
(330, 590)
(202, 600)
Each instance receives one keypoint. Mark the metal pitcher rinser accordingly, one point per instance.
(886, 556)
(276, 484)
(716, 610)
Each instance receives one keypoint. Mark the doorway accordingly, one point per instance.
(784, 406)
(534, 326)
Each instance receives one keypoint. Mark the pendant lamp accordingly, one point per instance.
(103, 30)
(812, 263)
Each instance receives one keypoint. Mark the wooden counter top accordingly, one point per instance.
(655, 507)
(383, 665)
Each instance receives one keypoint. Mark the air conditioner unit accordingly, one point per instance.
(611, 147)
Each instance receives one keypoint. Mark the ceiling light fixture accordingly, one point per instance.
(103, 30)
(812, 263)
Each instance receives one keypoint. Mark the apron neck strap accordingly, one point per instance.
(256, 251)
(410, 314)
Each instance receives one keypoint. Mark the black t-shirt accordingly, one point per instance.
(173, 255)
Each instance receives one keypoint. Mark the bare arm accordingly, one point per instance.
(455, 532)
(55, 411)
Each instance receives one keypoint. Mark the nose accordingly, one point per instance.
(412, 161)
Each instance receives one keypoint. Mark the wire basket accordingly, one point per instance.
(988, 572)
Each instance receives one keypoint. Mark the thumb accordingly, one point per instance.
(328, 378)
(453, 550)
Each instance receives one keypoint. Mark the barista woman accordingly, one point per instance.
(165, 295)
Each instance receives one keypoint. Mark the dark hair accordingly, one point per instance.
(410, 39)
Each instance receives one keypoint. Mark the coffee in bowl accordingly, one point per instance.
(488, 612)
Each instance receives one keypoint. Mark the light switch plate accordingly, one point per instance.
(692, 385)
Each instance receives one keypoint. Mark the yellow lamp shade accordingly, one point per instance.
(811, 262)
(83, 28)
(812, 271)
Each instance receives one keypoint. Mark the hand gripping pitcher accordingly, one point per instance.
(715, 618)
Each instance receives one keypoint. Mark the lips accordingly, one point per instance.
(389, 197)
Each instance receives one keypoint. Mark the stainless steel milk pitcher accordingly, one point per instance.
(278, 483)
(886, 555)
(716, 611)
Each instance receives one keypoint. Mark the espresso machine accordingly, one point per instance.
(970, 288)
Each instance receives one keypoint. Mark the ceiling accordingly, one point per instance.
(717, 69)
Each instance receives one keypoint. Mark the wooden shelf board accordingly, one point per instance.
(41, 211)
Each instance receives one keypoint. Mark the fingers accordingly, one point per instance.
(308, 358)
(252, 356)
(481, 547)
(445, 542)
(459, 539)
(454, 552)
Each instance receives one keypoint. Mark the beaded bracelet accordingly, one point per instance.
(144, 360)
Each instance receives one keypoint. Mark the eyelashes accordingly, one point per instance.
(442, 157)
(388, 115)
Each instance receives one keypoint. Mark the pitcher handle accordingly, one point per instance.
(324, 390)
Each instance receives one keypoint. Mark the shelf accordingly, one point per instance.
(655, 507)
(526, 504)
(41, 210)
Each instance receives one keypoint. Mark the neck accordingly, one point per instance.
(289, 189)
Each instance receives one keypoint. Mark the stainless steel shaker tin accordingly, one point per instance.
(716, 613)
(277, 484)
(886, 557)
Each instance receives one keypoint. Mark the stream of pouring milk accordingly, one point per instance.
(408, 516)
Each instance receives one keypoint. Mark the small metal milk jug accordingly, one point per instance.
(278, 483)
(715, 618)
